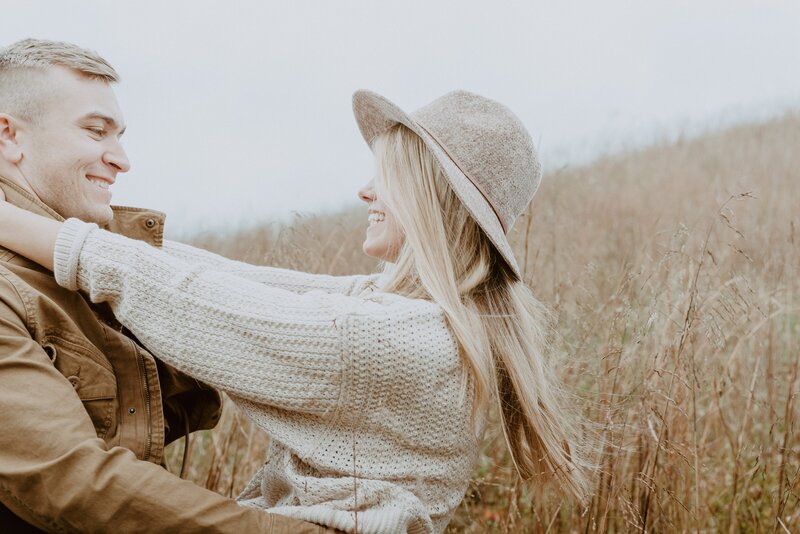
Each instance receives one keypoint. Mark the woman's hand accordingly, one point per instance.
(27, 234)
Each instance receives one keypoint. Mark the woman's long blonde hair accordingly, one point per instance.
(498, 323)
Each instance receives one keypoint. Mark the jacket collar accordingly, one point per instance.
(136, 223)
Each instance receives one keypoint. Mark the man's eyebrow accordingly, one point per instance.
(110, 122)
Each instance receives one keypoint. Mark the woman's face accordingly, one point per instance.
(384, 236)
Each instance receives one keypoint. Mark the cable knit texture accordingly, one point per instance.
(72, 233)
(360, 391)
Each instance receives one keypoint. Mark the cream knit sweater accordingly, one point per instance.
(360, 391)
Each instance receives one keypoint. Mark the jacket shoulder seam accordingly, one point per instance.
(30, 322)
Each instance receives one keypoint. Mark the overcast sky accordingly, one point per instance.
(240, 112)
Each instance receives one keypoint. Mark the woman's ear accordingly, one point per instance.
(10, 148)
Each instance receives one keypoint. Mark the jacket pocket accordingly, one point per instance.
(90, 374)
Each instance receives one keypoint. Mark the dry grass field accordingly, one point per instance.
(673, 274)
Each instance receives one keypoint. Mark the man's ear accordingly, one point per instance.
(10, 148)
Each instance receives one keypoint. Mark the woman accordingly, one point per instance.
(374, 389)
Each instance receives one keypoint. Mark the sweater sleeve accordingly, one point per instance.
(295, 281)
(264, 344)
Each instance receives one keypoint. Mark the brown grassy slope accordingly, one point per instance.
(672, 273)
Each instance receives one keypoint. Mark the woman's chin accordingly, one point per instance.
(370, 250)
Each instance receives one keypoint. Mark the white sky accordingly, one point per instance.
(240, 113)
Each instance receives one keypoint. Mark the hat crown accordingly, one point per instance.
(491, 147)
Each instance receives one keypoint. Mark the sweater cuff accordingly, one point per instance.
(69, 243)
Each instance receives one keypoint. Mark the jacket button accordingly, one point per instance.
(74, 381)
(131, 411)
(50, 350)
(150, 223)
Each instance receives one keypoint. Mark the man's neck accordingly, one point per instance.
(23, 198)
(16, 178)
(136, 223)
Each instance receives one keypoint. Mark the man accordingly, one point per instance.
(85, 411)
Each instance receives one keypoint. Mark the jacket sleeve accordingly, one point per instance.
(295, 281)
(57, 475)
(188, 403)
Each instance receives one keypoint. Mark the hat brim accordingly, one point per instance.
(376, 115)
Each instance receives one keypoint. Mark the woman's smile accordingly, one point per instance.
(375, 217)
(383, 236)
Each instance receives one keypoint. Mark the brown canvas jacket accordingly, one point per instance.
(85, 412)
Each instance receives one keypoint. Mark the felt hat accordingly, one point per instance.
(485, 152)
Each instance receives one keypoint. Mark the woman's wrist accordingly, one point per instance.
(67, 250)
(28, 234)
(7, 221)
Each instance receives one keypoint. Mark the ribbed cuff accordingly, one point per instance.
(69, 243)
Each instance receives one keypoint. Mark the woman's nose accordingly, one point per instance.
(367, 193)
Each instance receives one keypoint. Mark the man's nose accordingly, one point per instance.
(118, 159)
(367, 193)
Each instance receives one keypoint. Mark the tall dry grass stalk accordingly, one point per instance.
(673, 274)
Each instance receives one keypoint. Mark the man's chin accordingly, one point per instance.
(100, 215)
(102, 221)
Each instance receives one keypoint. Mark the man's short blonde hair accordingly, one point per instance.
(24, 63)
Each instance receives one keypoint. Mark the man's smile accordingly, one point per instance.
(102, 183)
